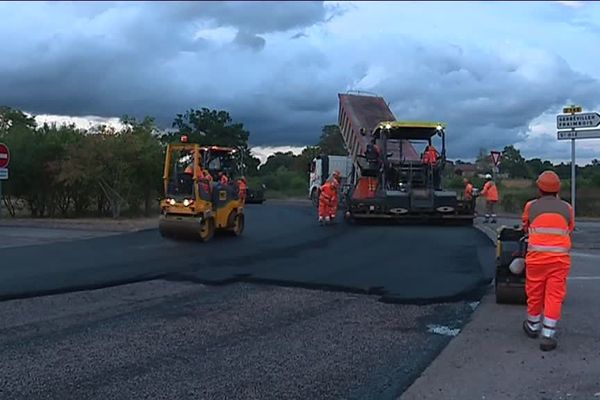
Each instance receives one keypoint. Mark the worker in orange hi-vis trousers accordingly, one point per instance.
(328, 199)
(490, 192)
(549, 223)
(337, 179)
(243, 188)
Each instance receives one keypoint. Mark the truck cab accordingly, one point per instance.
(322, 168)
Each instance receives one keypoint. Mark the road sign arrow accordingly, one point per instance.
(576, 121)
(576, 134)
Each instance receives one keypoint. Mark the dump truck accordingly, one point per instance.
(393, 181)
(196, 204)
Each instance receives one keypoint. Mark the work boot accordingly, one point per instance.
(529, 331)
(321, 221)
(548, 343)
(493, 218)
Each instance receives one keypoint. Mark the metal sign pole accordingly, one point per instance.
(573, 166)
(577, 124)
(573, 174)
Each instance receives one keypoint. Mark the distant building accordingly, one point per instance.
(466, 170)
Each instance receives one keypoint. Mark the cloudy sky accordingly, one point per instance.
(496, 72)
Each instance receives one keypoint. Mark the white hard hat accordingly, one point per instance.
(488, 176)
(517, 265)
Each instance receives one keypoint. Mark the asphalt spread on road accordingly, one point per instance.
(176, 338)
(282, 245)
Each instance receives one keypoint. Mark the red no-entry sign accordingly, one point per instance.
(4, 155)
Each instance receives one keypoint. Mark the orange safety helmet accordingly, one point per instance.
(548, 182)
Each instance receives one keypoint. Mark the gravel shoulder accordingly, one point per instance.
(174, 340)
(90, 224)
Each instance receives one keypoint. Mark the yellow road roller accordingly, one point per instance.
(200, 194)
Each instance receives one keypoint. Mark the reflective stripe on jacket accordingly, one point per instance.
(549, 222)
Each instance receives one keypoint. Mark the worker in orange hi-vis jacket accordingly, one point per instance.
(431, 155)
(205, 181)
(223, 178)
(468, 195)
(490, 192)
(328, 199)
(243, 188)
(549, 222)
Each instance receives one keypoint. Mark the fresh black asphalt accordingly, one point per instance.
(282, 245)
(176, 338)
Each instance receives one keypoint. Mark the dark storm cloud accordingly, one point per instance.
(487, 101)
(264, 17)
(255, 42)
(114, 58)
(160, 59)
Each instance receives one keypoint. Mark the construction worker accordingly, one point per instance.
(468, 195)
(549, 223)
(190, 169)
(207, 176)
(327, 199)
(490, 192)
(243, 188)
(223, 179)
(430, 158)
(373, 155)
(206, 181)
(336, 181)
(431, 155)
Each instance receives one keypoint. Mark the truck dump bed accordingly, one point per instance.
(358, 112)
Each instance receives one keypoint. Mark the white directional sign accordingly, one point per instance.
(582, 134)
(576, 121)
(3, 174)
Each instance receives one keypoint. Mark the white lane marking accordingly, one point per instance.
(586, 255)
(474, 305)
(584, 278)
(442, 330)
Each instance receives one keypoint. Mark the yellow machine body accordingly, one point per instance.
(194, 206)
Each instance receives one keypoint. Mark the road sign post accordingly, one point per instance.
(4, 161)
(578, 125)
(496, 155)
(4, 155)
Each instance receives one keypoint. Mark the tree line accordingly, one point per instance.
(516, 166)
(65, 171)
